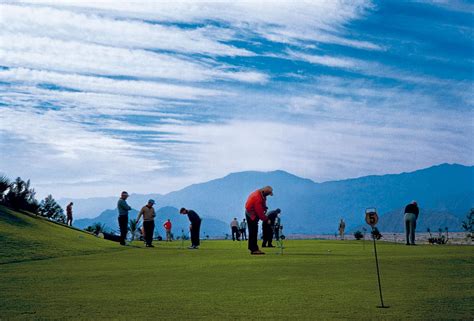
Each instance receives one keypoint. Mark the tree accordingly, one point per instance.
(469, 222)
(4, 186)
(51, 209)
(21, 196)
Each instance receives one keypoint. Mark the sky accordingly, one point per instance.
(97, 97)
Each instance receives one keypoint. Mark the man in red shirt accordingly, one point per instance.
(255, 209)
(69, 213)
(167, 227)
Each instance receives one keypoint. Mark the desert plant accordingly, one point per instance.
(133, 227)
(358, 235)
(96, 228)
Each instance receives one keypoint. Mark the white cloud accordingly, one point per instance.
(93, 28)
(106, 85)
(282, 21)
(41, 53)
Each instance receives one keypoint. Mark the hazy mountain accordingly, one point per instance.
(432, 219)
(210, 226)
(309, 207)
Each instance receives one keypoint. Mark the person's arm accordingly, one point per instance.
(140, 215)
(260, 209)
(123, 205)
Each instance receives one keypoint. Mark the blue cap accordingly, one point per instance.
(151, 201)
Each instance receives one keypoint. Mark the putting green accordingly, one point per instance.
(51, 272)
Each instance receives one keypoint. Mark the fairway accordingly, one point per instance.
(51, 272)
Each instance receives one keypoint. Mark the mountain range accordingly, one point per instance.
(444, 192)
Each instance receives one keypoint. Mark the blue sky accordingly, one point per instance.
(98, 97)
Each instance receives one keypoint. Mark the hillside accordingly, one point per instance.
(25, 238)
(310, 208)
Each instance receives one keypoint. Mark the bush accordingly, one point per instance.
(376, 234)
(358, 235)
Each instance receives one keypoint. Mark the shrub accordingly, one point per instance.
(358, 235)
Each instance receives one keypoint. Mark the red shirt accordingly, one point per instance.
(167, 225)
(256, 206)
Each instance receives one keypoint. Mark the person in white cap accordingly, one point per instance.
(148, 213)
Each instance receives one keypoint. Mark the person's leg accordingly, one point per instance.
(270, 236)
(265, 234)
(412, 229)
(123, 225)
(146, 229)
(149, 229)
(253, 234)
(195, 236)
(233, 233)
(407, 230)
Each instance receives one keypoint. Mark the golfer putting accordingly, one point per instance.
(195, 227)
(255, 209)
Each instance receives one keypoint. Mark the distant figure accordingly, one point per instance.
(123, 209)
(411, 215)
(243, 229)
(277, 227)
(148, 213)
(268, 228)
(167, 227)
(195, 227)
(69, 214)
(234, 225)
(255, 209)
(342, 227)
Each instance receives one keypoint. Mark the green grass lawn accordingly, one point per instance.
(51, 272)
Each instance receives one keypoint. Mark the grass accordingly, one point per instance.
(50, 272)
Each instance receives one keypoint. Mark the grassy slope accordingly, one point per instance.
(23, 238)
(221, 281)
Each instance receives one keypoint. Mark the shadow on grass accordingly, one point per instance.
(13, 219)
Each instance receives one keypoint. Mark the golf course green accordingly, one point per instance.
(48, 271)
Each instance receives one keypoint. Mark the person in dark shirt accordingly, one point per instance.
(195, 227)
(268, 228)
(411, 215)
(123, 209)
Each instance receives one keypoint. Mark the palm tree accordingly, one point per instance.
(4, 186)
(133, 227)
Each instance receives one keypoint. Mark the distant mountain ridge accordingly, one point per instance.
(311, 208)
(210, 226)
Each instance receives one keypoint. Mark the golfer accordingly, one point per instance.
(123, 209)
(148, 213)
(195, 227)
(255, 209)
(342, 227)
(69, 213)
(268, 227)
(234, 225)
(243, 229)
(411, 215)
(167, 227)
